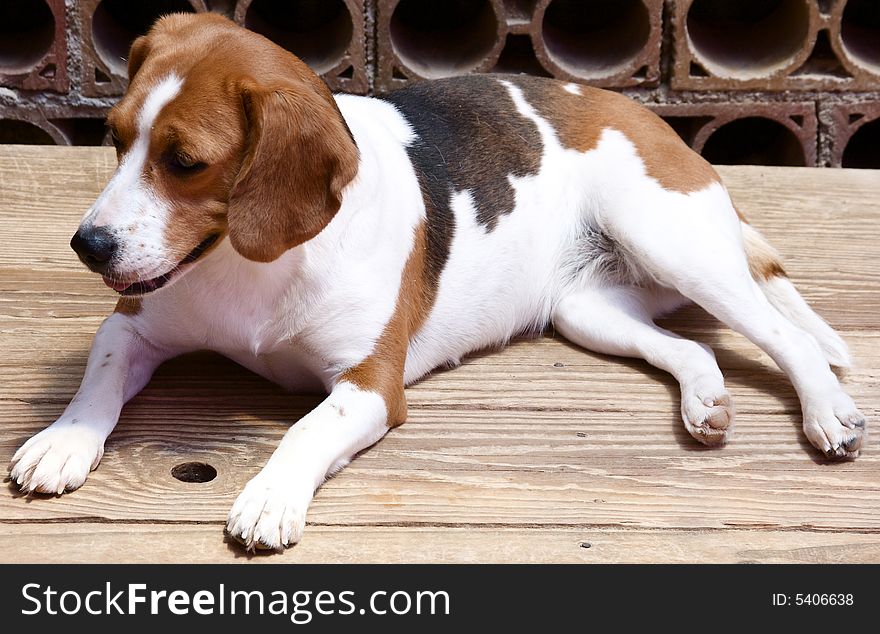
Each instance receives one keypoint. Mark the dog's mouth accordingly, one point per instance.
(142, 287)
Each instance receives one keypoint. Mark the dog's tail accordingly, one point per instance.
(765, 265)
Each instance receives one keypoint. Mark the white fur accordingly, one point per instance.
(135, 214)
(320, 308)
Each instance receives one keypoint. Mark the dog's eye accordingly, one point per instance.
(183, 162)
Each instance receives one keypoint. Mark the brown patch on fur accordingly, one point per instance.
(128, 306)
(382, 371)
(764, 261)
(276, 150)
(579, 121)
(298, 160)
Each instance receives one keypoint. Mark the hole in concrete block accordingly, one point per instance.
(439, 38)
(194, 472)
(747, 39)
(396, 73)
(518, 56)
(754, 141)
(23, 133)
(697, 71)
(101, 77)
(82, 130)
(27, 28)
(798, 119)
(862, 149)
(687, 127)
(822, 60)
(855, 117)
(48, 72)
(348, 73)
(117, 23)
(317, 31)
(595, 39)
(860, 33)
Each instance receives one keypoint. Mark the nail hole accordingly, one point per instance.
(585, 545)
(194, 472)
(558, 365)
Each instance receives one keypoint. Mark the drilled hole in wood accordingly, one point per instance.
(746, 39)
(194, 472)
(439, 38)
(319, 32)
(117, 23)
(27, 28)
(862, 149)
(754, 141)
(860, 33)
(595, 39)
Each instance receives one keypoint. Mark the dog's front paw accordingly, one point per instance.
(56, 460)
(836, 429)
(269, 514)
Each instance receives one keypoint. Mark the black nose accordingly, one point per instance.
(95, 246)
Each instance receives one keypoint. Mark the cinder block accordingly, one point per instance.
(776, 45)
(33, 45)
(768, 133)
(108, 28)
(429, 39)
(854, 27)
(855, 135)
(611, 43)
(28, 126)
(326, 34)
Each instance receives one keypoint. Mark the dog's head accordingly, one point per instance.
(220, 133)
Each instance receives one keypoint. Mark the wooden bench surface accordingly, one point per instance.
(539, 453)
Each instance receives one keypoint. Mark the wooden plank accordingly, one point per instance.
(183, 543)
(828, 252)
(514, 456)
(506, 438)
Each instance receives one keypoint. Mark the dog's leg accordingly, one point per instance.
(59, 458)
(271, 510)
(693, 244)
(618, 320)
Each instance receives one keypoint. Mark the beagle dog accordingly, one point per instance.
(353, 244)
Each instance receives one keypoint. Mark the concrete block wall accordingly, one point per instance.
(788, 82)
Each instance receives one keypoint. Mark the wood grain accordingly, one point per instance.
(517, 455)
(193, 544)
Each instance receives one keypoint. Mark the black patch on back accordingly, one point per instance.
(470, 137)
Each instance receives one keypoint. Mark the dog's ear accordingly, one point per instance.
(138, 52)
(298, 158)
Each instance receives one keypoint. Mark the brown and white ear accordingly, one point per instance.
(138, 52)
(299, 157)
